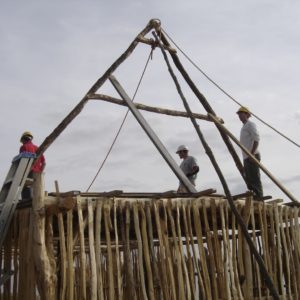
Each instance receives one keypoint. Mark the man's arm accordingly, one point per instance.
(194, 171)
(255, 136)
(254, 147)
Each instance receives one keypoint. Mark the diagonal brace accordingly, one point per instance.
(153, 137)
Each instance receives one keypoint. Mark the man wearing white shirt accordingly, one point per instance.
(249, 138)
(189, 166)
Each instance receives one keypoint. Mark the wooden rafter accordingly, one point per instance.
(159, 110)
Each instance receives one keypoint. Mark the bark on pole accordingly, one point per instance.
(158, 110)
(78, 108)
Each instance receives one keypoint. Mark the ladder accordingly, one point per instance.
(12, 188)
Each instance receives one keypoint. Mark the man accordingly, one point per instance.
(39, 164)
(249, 138)
(189, 167)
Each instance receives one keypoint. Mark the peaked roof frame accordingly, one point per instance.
(165, 46)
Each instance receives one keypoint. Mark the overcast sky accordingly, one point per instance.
(52, 52)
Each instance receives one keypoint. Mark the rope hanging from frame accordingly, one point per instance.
(122, 123)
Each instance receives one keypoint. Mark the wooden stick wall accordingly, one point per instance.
(154, 249)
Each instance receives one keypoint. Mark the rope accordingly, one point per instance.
(122, 123)
(227, 94)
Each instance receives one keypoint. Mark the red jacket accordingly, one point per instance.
(39, 165)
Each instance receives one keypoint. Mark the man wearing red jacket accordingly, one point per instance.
(39, 164)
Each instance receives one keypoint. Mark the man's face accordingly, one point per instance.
(182, 153)
(243, 116)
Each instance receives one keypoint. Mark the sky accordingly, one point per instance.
(52, 52)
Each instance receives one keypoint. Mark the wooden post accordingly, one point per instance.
(200, 97)
(47, 276)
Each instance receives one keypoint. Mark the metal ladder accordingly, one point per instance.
(12, 188)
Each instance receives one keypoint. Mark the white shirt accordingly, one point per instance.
(249, 135)
(187, 166)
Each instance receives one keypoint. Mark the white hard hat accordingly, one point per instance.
(182, 148)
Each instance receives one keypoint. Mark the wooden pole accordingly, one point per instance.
(82, 266)
(201, 98)
(159, 110)
(252, 157)
(47, 276)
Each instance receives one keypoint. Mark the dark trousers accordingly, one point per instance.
(252, 174)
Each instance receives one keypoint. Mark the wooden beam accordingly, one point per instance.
(159, 110)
